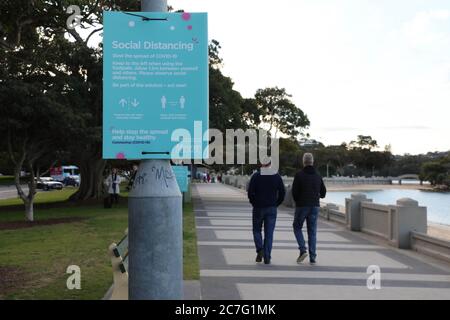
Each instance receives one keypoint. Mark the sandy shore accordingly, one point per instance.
(440, 231)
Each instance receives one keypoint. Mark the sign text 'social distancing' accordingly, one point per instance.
(155, 81)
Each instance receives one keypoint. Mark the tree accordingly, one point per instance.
(225, 103)
(250, 113)
(290, 153)
(331, 159)
(437, 172)
(364, 142)
(27, 121)
(74, 62)
(215, 61)
(277, 110)
(406, 164)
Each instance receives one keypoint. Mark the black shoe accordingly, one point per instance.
(266, 261)
(259, 256)
(312, 261)
(301, 257)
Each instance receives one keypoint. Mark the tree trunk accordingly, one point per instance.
(91, 186)
(29, 211)
(29, 198)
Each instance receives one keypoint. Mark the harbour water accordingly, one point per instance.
(437, 203)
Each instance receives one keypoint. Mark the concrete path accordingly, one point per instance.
(228, 270)
(8, 192)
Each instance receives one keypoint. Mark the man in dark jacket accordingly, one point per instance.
(307, 189)
(265, 192)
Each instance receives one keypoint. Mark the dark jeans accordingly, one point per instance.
(114, 198)
(266, 217)
(309, 214)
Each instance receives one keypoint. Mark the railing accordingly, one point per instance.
(357, 180)
(376, 220)
(332, 212)
(431, 246)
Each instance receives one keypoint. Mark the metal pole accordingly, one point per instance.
(154, 5)
(155, 225)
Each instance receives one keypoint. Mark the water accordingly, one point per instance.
(438, 204)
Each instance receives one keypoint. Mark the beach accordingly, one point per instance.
(440, 231)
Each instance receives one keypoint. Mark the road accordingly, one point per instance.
(228, 270)
(7, 192)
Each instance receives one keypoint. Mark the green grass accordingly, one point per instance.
(190, 254)
(43, 253)
(6, 180)
(9, 180)
(43, 197)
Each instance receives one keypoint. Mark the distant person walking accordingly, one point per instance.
(113, 183)
(265, 192)
(132, 177)
(307, 189)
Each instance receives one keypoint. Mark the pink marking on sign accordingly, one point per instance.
(186, 16)
(120, 155)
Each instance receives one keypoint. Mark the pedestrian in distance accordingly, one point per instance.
(265, 192)
(132, 177)
(307, 189)
(113, 183)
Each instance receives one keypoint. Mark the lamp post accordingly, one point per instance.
(155, 224)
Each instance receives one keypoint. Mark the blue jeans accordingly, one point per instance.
(309, 214)
(268, 218)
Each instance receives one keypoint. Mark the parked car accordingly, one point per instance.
(71, 181)
(47, 183)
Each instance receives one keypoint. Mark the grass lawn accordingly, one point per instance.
(9, 180)
(6, 180)
(190, 254)
(42, 197)
(34, 260)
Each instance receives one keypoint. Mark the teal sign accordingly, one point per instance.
(182, 176)
(155, 85)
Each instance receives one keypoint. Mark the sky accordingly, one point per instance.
(372, 67)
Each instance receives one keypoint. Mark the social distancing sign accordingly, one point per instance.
(155, 85)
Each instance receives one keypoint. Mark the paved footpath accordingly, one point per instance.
(228, 270)
(9, 192)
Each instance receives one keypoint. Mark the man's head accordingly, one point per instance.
(266, 164)
(114, 170)
(308, 159)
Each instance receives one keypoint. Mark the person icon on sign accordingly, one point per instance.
(182, 102)
(163, 102)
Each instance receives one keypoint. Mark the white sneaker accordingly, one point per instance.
(301, 257)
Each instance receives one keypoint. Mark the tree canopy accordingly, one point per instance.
(277, 110)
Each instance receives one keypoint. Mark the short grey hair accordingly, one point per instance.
(308, 159)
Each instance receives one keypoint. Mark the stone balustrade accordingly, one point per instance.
(357, 180)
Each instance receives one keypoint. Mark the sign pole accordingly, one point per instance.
(155, 224)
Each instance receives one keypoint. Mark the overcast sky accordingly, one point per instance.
(373, 67)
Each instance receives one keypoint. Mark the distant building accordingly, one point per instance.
(309, 143)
